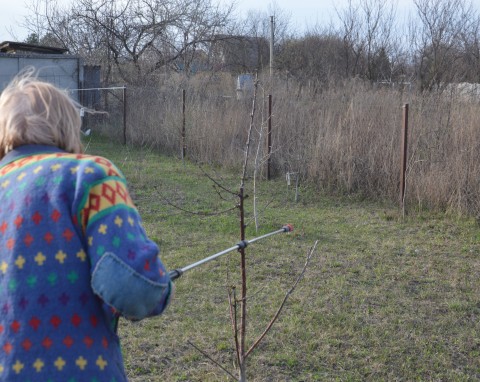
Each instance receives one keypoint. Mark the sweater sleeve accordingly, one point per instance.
(127, 273)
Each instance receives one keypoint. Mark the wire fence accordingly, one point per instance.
(346, 139)
(104, 111)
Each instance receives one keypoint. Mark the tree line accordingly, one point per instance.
(139, 41)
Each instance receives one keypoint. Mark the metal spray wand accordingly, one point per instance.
(176, 273)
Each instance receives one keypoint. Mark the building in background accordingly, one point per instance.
(53, 65)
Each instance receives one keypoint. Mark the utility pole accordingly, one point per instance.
(272, 25)
(185, 40)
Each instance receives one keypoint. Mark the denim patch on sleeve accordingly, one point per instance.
(120, 286)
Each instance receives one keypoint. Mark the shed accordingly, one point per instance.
(52, 64)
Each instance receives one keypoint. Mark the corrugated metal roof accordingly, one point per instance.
(21, 47)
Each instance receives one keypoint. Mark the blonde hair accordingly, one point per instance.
(36, 112)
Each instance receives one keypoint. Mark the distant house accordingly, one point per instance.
(239, 54)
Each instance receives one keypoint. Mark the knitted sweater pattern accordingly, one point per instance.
(59, 214)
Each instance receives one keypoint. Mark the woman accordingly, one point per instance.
(73, 254)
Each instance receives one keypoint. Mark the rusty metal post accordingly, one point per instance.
(184, 139)
(269, 137)
(404, 149)
(124, 115)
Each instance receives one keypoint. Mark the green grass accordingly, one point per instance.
(384, 299)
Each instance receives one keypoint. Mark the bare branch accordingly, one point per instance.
(287, 295)
(217, 183)
(196, 212)
(211, 359)
(233, 317)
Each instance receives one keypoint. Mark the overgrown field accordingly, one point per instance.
(385, 298)
(345, 137)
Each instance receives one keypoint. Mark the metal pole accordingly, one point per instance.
(269, 136)
(242, 244)
(185, 39)
(124, 115)
(272, 24)
(184, 139)
(296, 186)
(404, 154)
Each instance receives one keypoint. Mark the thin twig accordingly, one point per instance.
(233, 317)
(263, 209)
(253, 295)
(206, 214)
(255, 171)
(217, 190)
(287, 295)
(211, 359)
(217, 183)
(249, 136)
(196, 212)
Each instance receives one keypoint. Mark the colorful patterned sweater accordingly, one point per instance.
(73, 258)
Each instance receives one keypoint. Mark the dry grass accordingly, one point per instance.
(345, 139)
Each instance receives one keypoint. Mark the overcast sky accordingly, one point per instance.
(303, 13)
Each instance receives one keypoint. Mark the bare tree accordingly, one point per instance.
(437, 40)
(367, 34)
(257, 23)
(318, 58)
(470, 40)
(364, 45)
(134, 38)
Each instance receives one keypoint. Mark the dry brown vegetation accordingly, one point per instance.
(332, 122)
(345, 138)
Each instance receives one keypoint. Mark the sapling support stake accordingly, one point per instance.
(176, 273)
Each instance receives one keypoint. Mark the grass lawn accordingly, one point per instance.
(384, 298)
